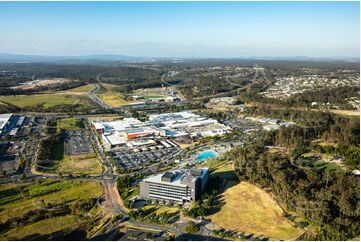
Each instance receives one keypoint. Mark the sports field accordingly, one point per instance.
(249, 209)
(18, 200)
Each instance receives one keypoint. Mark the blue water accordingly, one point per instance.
(206, 155)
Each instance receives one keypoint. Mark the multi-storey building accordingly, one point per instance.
(175, 186)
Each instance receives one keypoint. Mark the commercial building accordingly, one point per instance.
(162, 126)
(187, 123)
(120, 132)
(178, 186)
(223, 100)
(4, 120)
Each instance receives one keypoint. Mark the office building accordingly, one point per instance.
(178, 186)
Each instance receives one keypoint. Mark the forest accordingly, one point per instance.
(129, 77)
(325, 196)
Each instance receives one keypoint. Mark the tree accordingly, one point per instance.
(149, 236)
(3, 173)
(191, 228)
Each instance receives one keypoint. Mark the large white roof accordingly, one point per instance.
(176, 181)
(115, 138)
(4, 118)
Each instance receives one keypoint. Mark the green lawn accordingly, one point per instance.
(212, 163)
(14, 203)
(70, 124)
(81, 89)
(57, 151)
(44, 227)
(17, 200)
(226, 173)
(157, 209)
(46, 100)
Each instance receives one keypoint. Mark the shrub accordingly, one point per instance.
(191, 228)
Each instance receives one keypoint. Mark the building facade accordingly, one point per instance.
(175, 186)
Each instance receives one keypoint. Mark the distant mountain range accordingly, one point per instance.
(67, 59)
(15, 58)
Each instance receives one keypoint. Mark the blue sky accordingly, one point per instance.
(181, 29)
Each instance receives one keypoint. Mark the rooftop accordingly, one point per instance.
(4, 118)
(175, 178)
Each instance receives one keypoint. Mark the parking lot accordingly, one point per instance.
(77, 142)
(9, 153)
(142, 156)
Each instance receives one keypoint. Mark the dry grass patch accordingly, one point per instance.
(346, 112)
(113, 99)
(82, 89)
(249, 209)
(111, 95)
(81, 165)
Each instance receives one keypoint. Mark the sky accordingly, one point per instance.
(181, 29)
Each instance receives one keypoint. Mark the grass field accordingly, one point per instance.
(82, 89)
(81, 165)
(46, 226)
(106, 118)
(110, 95)
(57, 151)
(161, 209)
(17, 200)
(14, 204)
(212, 163)
(346, 112)
(322, 161)
(70, 124)
(225, 172)
(154, 96)
(113, 99)
(249, 209)
(46, 100)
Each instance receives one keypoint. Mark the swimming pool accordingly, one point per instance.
(206, 155)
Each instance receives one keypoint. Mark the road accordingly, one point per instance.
(179, 94)
(239, 87)
(112, 200)
(99, 102)
(112, 203)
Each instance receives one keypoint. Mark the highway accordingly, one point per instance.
(92, 95)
